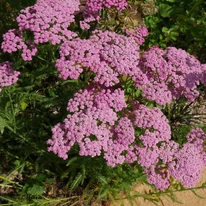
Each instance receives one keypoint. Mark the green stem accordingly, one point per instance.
(13, 112)
(43, 59)
(174, 191)
(194, 7)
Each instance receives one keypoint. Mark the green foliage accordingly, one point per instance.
(178, 23)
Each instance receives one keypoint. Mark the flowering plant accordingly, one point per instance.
(115, 93)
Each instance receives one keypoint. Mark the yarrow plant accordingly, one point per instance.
(110, 116)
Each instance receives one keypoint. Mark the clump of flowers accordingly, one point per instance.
(198, 138)
(102, 124)
(93, 7)
(153, 121)
(187, 165)
(161, 75)
(13, 41)
(107, 119)
(7, 75)
(155, 131)
(106, 54)
(47, 20)
(168, 75)
(184, 164)
(91, 124)
(138, 32)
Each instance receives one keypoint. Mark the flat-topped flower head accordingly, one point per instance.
(93, 124)
(138, 32)
(169, 74)
(13, 41)
(187, 165)
(197, 137)
(107, 54)
(154, 122)
(7, 75)
(49, 20)
(93, 7)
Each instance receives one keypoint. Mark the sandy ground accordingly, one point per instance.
(187, 198)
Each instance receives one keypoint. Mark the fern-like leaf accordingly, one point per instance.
(76, 182)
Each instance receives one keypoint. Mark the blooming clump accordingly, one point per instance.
(7, 75)
(187, 165)
(198, 138)
(159, 176)
(107, 54)
(94, 125)
(169, 75)
(184, 164)
(138, 32)
(154, 122)
(13, 41)
(49, 20)
(123, 137)
(151, 78)
(157, 153)
(158, 171)
(155, 131)
(147, 156)
(185, 73)
(92, 8)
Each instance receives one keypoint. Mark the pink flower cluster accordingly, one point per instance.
(168, 75)
(96, 5)
(184, 164)
(198, 138)
(99, 120)
(154, 122)
(91, 124)
(13, 41)
(7, 75)
(161, 75)
(101, 124)
(94, 124)
(48, 20)
(93, 7)
(187, 165)
(138, 32)
(107, 54)
(155, 131)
